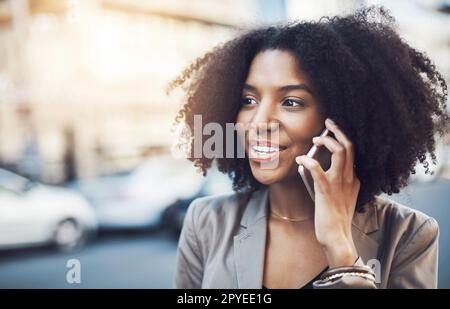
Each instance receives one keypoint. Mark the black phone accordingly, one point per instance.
(322, 155)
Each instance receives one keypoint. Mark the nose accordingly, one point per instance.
(264, 122)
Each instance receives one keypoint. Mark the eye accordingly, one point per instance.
(293, 103)
(248, 101)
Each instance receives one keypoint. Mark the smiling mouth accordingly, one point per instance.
(268, 149)
(265, 150)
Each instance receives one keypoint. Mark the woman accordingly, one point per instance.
(383, 101)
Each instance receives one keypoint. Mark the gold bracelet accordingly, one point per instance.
(348, 269)
(368, 276)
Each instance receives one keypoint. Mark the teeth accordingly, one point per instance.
(265, 149)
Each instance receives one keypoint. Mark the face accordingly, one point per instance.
(277, 99)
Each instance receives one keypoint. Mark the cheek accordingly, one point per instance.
(243, 117)
(243, 120)
(242, 123)
(302, 129)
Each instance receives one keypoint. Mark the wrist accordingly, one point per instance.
(341, 253)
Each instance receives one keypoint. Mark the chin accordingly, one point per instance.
(268, 176)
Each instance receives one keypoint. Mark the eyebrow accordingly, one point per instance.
(283, 88)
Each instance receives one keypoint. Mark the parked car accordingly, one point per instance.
(35, 214)
(214, 183)
(137, 200)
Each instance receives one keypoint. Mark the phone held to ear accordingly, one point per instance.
(322, 155)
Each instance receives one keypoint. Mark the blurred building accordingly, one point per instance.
(82, 81)
(425, 24)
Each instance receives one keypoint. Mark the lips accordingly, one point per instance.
(263, 150)
(266, 146)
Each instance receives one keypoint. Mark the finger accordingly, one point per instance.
(316, 170)
(348, 145)
(338, 156)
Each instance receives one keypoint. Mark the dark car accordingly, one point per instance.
(173, 217)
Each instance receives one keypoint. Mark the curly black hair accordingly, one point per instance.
(386, 96)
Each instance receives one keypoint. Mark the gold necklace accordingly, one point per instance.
(289, 219)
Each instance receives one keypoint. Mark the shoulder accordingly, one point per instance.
(389, 211)
(406, 226)
(408, 240)
(215, 211)
(212, 216)
(212, 219)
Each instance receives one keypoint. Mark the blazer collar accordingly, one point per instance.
(250, 243)
(249, 246)
(258, 207)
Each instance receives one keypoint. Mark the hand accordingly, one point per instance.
(336, 192)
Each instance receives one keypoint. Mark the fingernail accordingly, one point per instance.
(330, 121)
(315, 138)
(298, 160)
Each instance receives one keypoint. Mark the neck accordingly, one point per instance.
(291, 199)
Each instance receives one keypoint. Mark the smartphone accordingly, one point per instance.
(322, 155)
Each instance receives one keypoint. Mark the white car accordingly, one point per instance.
(36, 214)
(137, 201)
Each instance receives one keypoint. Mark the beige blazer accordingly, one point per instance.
(222, 244)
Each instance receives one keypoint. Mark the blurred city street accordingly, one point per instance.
(88, 173)
(113, 261)
(147, 260)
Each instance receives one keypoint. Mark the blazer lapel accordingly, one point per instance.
(363, 225)
(249, 245)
